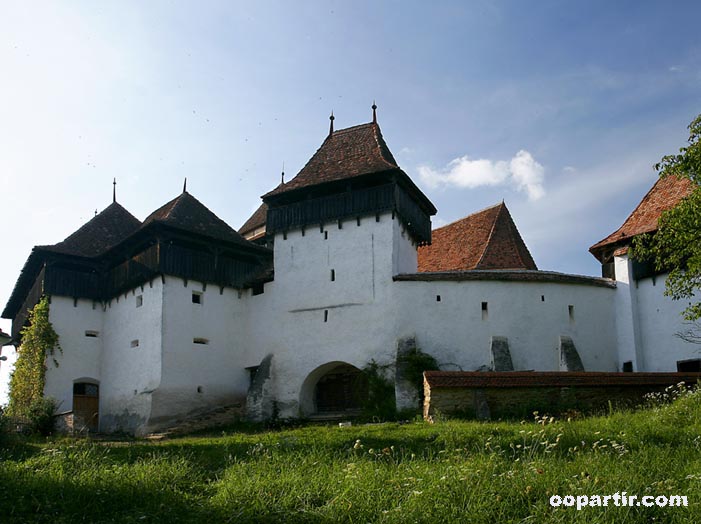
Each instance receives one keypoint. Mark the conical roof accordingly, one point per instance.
(346, 153)
(188, 214)
(665, 194)
(104, 231)
(487, 239)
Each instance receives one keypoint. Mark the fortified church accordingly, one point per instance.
(178, 314)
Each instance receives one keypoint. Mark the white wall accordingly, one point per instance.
(659, 320)
(358, 306)
(454, 331)
(627, 333)
(216, 368)
(131, 374)
(80, 357)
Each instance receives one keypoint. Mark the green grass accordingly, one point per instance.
(450, 471)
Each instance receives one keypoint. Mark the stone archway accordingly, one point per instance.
(334, 388)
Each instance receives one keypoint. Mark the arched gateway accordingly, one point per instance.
(334, 388)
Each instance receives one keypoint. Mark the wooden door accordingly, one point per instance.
(86, 405)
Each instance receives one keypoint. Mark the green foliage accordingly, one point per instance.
(414, 363)
(4, 427)
(39, 342)
(41, 416)
(455, 471)
(676, 245)
(380, 402)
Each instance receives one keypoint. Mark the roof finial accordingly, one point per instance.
(332, 118)
(95, 212)
(282, 177)
(114, 190)
(374, 112)
(185, 186)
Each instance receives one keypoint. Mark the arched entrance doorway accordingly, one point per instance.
(334, 388)
(86, 405)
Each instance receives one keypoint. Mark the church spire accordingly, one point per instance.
(282, 177)
(331, 118)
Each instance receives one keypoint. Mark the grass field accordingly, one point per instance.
(449, 471)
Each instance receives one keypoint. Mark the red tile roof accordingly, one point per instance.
(256, 220)
(487, 239)
(519, 379)
(665, 194)
(346, 153)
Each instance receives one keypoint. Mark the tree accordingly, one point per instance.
(676, 245)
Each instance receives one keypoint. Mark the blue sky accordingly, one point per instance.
(559, 108)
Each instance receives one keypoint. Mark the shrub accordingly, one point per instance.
(41, 416)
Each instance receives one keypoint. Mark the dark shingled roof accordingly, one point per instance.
(487, 239)
(665, 194)
(256, 220)
(519, 379)
(187, 213)
(104, 231)
(346, 153)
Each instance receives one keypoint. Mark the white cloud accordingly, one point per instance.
(522, 172)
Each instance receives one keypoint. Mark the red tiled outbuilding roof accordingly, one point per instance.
(346, 153)
(487, 239)
(256, 221)
(665, 194)
(519, 379)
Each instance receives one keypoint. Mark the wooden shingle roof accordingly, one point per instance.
(665, 194)
(485, 240)
(188, 214)
(104, 231)
(346, 153)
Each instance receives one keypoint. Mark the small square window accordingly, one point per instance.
(333, 275)
(139, 300)
(438, 298)
(196, 297)
(570, 311)
(135, 343)
(200, 341)
(92, 334)
(628, 366)
(485, 311)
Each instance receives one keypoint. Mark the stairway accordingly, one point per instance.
(215, 418)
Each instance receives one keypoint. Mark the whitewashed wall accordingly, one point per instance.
(358, 306)
(129, 374)
(659, 320)
(199, 377)
(80, 357)
(532, 315)
(628, 339)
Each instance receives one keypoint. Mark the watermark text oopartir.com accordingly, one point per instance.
(618, 499)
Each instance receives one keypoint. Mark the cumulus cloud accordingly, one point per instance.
(522, 172)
